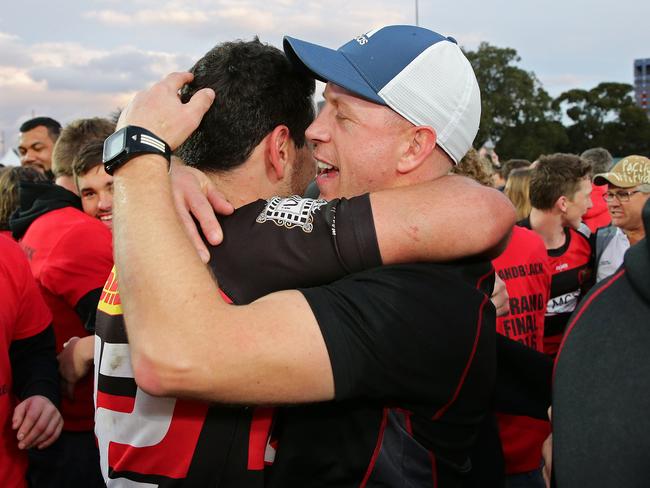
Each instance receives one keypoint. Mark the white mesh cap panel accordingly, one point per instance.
(439, 89)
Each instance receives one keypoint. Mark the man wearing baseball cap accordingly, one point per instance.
(628, 189)
(409, 78)
(402, 106)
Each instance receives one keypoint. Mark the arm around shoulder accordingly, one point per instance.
(271, 351)
(449, 218)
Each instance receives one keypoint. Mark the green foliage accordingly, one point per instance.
(525, 122)
(605, 116)
(532, 139)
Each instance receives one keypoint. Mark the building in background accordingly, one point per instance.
(642, 83)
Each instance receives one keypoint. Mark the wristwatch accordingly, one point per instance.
(129, 142)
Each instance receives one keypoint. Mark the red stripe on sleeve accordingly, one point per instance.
(259, 436)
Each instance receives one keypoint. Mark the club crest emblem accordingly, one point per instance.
(291, 212)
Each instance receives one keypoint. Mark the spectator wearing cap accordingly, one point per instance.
(628, 188)
(37, 138)
(601, 161)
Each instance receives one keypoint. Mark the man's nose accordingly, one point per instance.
(27, 158)
(317, 130)
(105, 202)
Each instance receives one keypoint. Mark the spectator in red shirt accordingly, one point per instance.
(601, 161)
(27, 368)
(524, 267)
(560, 192)
(70, 255)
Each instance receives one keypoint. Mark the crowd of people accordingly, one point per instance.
(176, 314)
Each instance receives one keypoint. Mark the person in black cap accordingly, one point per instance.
(602, 376)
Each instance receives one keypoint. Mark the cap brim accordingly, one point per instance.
(614, 179)
(329, 65)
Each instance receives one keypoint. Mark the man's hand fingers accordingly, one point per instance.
(43, 410)
(19, 415)
(37, 430)
(32, 416)
(200, 207)
(201, 102)
(500, 297)
(175, 81)
(194, 192)
(48, 436)
(191, 230)
(159, 109)
(219, 202)
(57, 432)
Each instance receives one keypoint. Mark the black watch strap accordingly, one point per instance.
(129, 142)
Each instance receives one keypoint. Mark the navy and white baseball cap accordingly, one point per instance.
(420, 74)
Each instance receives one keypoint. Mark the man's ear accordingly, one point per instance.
(562, 203)
(278, 151)
(421, 143)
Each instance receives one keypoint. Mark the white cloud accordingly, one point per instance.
(13, 77)
(149, 17)
(337, 21)
(125, 68)
(69, 80)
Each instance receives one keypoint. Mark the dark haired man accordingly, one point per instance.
(74, 136)
(560, 191)
(37, 138)
(306, 375)
(95, 186)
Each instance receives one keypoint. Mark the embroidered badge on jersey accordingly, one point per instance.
(291, 212)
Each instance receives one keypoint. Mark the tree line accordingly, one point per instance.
(524, 121)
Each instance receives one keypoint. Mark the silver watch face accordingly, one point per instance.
(114, 144)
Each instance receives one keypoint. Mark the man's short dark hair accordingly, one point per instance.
(87, 158)
(52, 126)
(511, 164)
(257, 89)
(554, 176)
(74, 136)
(599, 158)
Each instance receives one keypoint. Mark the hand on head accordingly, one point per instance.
(160, 110)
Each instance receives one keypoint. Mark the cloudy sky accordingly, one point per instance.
(72, 58)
